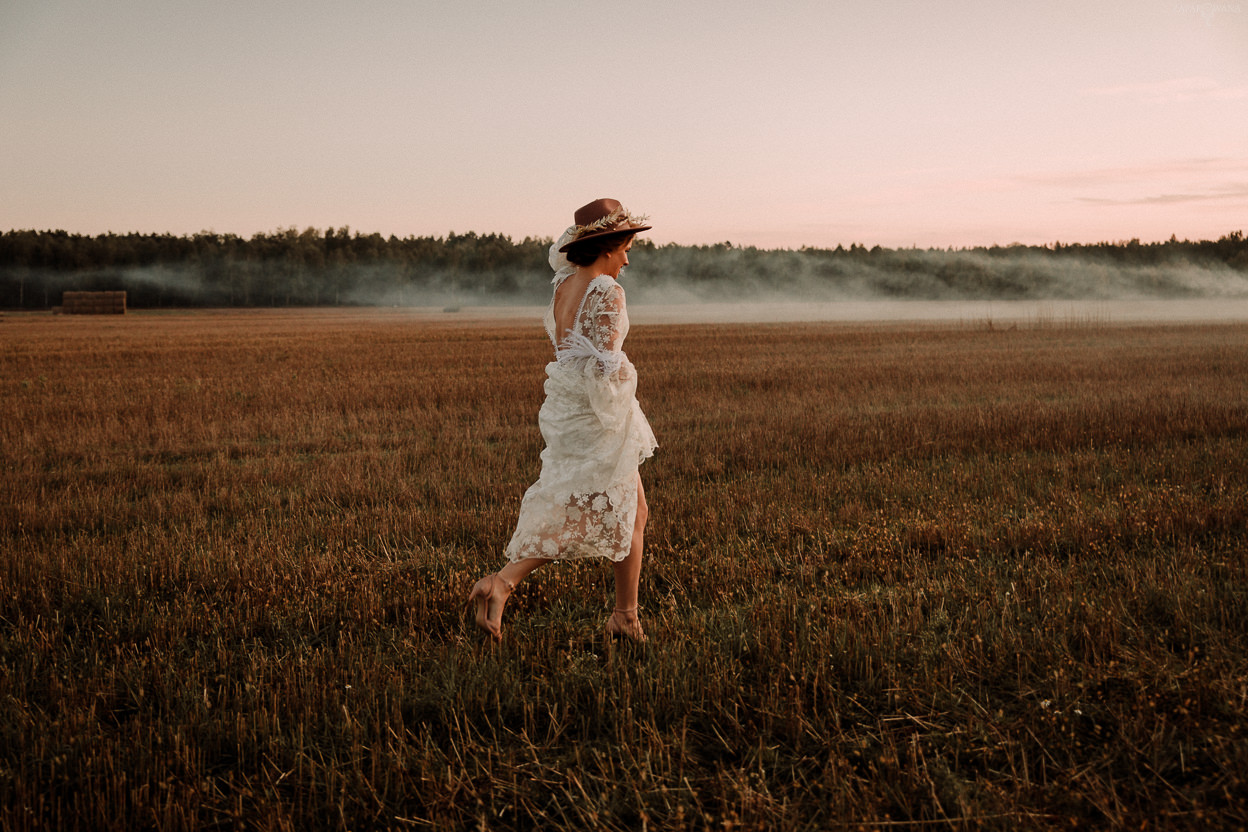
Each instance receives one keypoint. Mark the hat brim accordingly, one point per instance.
(611, 233)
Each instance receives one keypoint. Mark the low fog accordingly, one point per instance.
(747, 276)
(736, 276)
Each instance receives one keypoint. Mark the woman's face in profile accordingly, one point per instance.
(617, 259)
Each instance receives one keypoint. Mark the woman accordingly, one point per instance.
(588, 500)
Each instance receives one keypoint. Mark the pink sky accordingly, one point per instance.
(775, 124)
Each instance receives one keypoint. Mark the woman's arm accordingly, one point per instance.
(609, 322)
(608, 317)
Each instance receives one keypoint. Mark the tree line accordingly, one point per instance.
(288, 267)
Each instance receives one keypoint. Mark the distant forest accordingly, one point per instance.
(337, 267)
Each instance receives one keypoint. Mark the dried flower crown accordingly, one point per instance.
(609, 222)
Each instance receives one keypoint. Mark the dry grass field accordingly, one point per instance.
(897, 577)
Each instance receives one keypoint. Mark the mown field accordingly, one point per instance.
(896, 577)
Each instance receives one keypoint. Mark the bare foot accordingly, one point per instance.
(626, 624)
(490, 594)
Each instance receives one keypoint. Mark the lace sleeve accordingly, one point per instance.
(601, 325)
(609, 319)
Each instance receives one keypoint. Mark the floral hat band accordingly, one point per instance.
(600, 218)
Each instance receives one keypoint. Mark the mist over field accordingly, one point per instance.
(732, 276)
(742, 276)
(336, 268)
(745, 275)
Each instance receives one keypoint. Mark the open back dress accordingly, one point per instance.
(584, 503)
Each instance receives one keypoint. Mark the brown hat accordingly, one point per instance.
(602, 217)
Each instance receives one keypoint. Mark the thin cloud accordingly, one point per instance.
(1207, 180)
(1172, 91)
(1233, 192)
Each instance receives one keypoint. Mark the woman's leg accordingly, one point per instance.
(628, 576)
(492, 591)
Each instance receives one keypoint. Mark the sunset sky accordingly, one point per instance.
(773, 124)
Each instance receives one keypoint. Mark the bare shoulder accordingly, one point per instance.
(569, 292)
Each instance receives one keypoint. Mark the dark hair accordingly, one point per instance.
(585, 253)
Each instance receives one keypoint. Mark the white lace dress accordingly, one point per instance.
(584, 503)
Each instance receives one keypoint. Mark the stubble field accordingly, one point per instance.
(896, 577)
